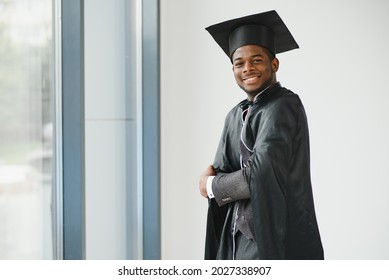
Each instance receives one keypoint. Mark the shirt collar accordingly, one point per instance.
(246, 103)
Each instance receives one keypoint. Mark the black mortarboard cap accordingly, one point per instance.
(265, 29)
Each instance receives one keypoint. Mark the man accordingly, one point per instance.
(259, 189)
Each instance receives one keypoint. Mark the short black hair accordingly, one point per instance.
(269, 54)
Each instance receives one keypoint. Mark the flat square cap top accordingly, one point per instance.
(264, 29)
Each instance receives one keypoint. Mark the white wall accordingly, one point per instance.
(105, 129)
(340, 73)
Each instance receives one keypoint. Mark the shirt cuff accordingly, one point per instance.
(209, 186)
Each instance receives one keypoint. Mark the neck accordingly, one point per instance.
(253, 96)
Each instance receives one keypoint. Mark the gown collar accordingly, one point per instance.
(246, 103)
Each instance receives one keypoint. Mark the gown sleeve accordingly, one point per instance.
(280, 187)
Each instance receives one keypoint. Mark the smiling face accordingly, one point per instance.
(254, 69)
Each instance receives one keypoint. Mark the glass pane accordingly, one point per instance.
(26, 79)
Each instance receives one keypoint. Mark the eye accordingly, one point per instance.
(257, 60)
(238, 64)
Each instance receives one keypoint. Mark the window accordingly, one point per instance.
(26, 134)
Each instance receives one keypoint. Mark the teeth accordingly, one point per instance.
(251, 79)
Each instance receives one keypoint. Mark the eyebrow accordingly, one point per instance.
(255, 55)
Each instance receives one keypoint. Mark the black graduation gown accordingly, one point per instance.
(284, 217)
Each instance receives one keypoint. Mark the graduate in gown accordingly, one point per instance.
(259, 188)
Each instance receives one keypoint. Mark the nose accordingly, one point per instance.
(248, 66)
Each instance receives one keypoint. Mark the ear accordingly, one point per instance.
(275, 64)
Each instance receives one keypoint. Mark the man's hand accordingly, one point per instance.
(203, 180)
